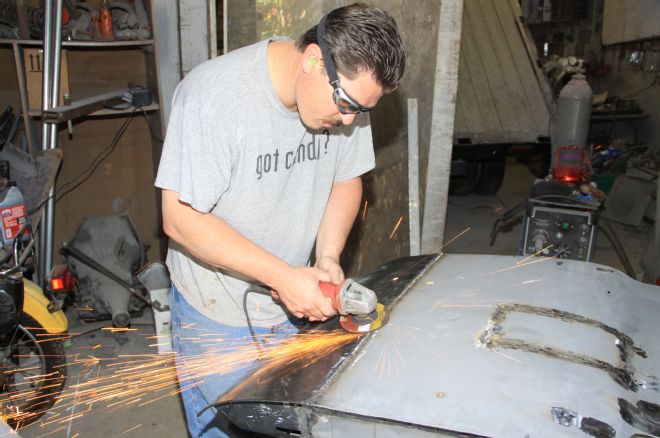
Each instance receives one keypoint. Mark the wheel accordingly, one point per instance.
(463, 178)
(491, 176)
(33, 373)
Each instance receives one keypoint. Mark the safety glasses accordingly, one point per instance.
(345, 104)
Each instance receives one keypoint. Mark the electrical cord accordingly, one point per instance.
(506, 220)
(116, 107)
(651, 85)
(249, 322)
(151, 129)
(77, 181)
(606, 228)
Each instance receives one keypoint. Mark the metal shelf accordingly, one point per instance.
(85, 44)
(107, 111)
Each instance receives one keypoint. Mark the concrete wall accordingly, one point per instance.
(372, 241)
(627, 80)
(121, 184)
(386, 188)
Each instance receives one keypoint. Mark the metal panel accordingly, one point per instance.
(442, 125)
(166, 39)
(502, 96)
(485, 345)
(194, 30)
(437, 370)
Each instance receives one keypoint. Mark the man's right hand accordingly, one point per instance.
(299, 291)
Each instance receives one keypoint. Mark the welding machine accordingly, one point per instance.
(560, 221)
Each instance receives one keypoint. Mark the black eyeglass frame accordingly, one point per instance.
(338, 93)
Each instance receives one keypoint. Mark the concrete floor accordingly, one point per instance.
(97, 351)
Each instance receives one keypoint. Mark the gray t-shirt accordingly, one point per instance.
(234, 150)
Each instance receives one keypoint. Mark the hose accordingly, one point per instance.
(609, 232)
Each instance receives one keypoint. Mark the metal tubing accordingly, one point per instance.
(52, 53)
(71, 251)
(45, 132)
(49, 223)
(413, 178)
(82, 107)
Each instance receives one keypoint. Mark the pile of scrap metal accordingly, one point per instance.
(104, 255)
(17, 20)
(130, 20)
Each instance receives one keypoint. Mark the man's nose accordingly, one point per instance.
(347, 119)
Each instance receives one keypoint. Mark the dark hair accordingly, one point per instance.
(362, 38)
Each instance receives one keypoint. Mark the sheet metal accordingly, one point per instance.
(490, 346)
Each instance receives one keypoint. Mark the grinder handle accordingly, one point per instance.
(331, 291)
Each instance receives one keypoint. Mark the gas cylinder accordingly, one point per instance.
(572, 117)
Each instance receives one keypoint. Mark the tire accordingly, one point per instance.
(33, 373)
(464, 183)
(491, 176)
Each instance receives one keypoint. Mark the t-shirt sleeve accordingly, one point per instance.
(357, 152)
(196, 158)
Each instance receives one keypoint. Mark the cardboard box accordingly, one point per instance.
(33, 62)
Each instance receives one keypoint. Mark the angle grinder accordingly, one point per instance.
(357, 305)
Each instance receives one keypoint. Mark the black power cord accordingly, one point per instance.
(247, 317)
(87, 173)
(608, 230)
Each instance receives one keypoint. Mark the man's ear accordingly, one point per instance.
(311, 57)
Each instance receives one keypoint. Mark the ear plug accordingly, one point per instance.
(313, 62)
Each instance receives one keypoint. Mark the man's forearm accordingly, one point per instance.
(217, 243)
(338, 218)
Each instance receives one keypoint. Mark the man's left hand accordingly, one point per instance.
(331, 266)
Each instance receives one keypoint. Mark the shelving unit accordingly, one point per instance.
(123, 177)
(80, 87)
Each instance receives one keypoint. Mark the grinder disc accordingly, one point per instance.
(365, 323)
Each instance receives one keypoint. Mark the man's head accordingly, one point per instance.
(367, 60)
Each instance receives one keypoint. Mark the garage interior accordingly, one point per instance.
(468, 151)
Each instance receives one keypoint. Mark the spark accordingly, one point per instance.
(389, 359)
(535, 254)
(542, 259)
(119, 329)
(130, 430)
(137, 380)
(364, 209)
(455, 237)
(509, 357)
(424, 345)
(532, 281)
(396, 227)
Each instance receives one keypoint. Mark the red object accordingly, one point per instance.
(105, 17)
(13, 219)
(65, 16)
(331, 291)
(569, 165)
(62, 279)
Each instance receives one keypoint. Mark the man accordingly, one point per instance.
(260, 167)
